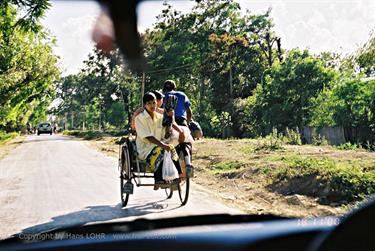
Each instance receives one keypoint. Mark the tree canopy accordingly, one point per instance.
(28, 67)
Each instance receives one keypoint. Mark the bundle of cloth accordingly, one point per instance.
(173, 138)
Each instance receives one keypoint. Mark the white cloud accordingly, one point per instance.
(72, 24)
(321, 25)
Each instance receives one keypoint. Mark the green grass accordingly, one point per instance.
(247, 149)
(4, 137)
(340, 181)
(228, 166)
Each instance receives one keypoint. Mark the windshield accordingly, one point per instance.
(257, 107)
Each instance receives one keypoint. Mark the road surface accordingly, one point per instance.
(50, 182)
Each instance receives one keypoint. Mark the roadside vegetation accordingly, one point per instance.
(5, 137)
(292, 180)
(94, 134)
(28, 66)
(323, 175)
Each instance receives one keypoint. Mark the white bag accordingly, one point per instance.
(169, 170)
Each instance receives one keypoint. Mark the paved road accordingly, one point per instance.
(53, 181)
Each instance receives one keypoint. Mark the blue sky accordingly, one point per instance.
(320, 25)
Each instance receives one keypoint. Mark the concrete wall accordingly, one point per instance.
(334, 135)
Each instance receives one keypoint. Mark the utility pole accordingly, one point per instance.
(65, 120)
(230, 93)
(72, 118)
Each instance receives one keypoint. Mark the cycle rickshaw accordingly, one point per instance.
(133, 169)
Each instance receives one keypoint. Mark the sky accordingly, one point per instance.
(319, 25)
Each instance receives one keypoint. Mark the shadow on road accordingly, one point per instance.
(93, 214)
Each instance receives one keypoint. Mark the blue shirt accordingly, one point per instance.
(183, 103)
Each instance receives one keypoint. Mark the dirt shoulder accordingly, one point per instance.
(6, 147)
(239, 176)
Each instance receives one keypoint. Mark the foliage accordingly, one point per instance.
(102, 95)
(365, 56)
(369, 146)
(292, 137)
(221, 123)
(289, 88)
(348, 103)
(4, 137)
(238, 82)
(318, 140)
(348, 146)
(271, 142)
(213, 52)
(28, 67)
(248, 115)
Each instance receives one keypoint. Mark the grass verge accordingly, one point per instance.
(326, 179)
(91, 134)
(5, 137)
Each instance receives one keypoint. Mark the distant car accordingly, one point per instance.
(44, 128)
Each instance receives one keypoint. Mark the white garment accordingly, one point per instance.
(173, 139)
(145, 127)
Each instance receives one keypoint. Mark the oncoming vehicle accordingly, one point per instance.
(44, 128)
(128, 226)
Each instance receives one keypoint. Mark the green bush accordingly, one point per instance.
(370, 146)
(318, 140)
(271, 142)
(292, 137)
(348, 146)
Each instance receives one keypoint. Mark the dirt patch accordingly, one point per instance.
(309, 186)
(247, 191)
(105, 144)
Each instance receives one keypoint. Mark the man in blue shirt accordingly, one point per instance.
(182, 116)
(182, 111)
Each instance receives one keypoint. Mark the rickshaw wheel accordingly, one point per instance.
(124, 196)
(125, 175)
(183, 190)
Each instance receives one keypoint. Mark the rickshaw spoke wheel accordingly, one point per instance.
(183, 190)
(124, 196)
(125, 175)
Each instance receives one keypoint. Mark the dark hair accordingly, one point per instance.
(158, 95)
(149, 96)
(169, 85)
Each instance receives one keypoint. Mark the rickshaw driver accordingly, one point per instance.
(150, 132)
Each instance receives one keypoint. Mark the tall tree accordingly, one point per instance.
(28, 66)
(287, 92)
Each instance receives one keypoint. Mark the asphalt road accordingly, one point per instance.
(50, 182)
